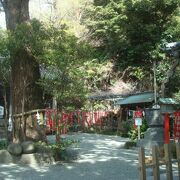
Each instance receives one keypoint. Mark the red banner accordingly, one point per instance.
(166, 129)
(85, 119)
(177, 126)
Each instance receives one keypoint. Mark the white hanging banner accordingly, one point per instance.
(10, 124)
(1, 111)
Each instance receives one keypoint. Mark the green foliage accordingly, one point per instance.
(4, 52)
(174, 85)
(177, 96)
(57, 150)
(5, 71)
(127, 125)
(129, 144)
(3, 144)
(131, 31)
(96, 74)
(4, 60)
(133, 132)
(138, 73)
(29, 36)
(3, 44)
(62, 58)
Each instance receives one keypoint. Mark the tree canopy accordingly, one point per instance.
(122, 39)
(133, 33)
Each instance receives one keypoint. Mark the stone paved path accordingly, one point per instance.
(100, 157)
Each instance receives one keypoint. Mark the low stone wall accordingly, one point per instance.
(25, 153)
(38, 159)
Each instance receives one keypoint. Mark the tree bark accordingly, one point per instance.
(26, 94)
(6, 113)
(16, 11)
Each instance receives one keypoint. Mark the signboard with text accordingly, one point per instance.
(138, 118)
(138, 121)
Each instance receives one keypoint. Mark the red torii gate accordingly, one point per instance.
(65, 119)
(176, 116)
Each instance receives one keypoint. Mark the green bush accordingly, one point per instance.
(130, 131)
(57, 150)
(3, 144)
(127, 126)
(133, 132)
(129, 144)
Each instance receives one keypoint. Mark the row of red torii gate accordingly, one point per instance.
(51, 121)
(101, 119)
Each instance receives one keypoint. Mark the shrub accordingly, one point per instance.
(57, 150)
(3, 144)
(129, 144)
(133, 132)
(127, 126)
(130, 131)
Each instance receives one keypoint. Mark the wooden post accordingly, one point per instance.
(168, 162)
(178, 157)
(155, 161)
(142, 166)
(139, 132)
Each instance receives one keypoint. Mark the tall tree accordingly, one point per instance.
(26, 94)
(25, 69)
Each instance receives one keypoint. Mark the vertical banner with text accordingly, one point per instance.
(177, 126)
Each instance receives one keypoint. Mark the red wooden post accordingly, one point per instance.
(88, 119)
(95, 117)
(83, 119)
(166, 129)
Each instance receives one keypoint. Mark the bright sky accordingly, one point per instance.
(2, 20)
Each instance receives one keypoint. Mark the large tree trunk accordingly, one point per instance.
(26, 94)
(16, 11)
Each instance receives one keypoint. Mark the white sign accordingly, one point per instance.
(156, 106)
(1, 111)
(138, 121)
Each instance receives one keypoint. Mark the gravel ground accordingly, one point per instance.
(100, 157)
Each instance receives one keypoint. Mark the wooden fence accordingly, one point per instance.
(156, 162)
